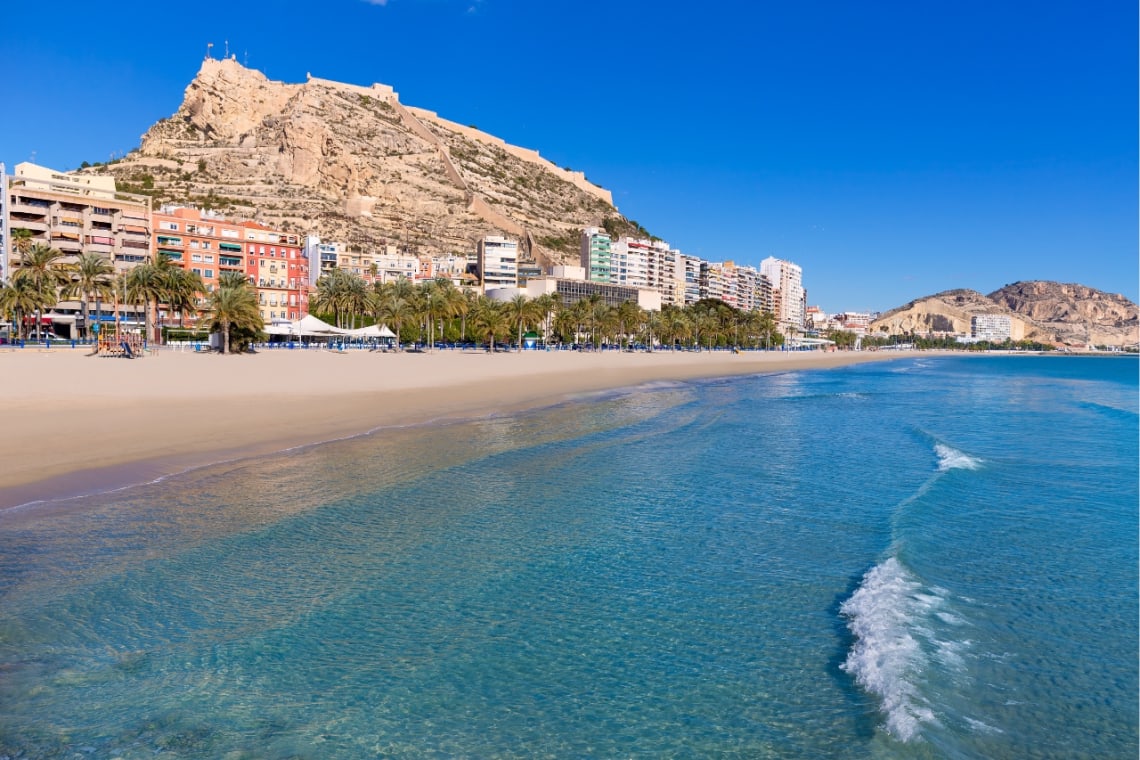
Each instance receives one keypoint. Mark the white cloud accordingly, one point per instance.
(376, 2)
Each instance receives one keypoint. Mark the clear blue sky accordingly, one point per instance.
(892, 149)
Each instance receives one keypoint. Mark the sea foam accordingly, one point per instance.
(886, 614)
(951, 459)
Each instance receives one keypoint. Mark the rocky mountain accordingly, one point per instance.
(1078, 313)
(1049, 312)
(354, 164)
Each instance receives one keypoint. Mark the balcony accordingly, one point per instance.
(35, 225)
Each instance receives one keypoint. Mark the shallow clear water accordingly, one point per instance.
(932, 558)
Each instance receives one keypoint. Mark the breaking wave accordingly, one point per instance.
(890, 615)
(952, 459)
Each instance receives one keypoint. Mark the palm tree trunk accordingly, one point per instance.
(86, 326)
(225, 337)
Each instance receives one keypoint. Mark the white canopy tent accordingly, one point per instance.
(372, 331)
(307, 327)
(311, 327)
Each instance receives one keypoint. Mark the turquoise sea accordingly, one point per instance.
(931, 558)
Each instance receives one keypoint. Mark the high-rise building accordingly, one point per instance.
(788, 291)
(498, 262)
(631, 261)
(995, 328)
(595, 255)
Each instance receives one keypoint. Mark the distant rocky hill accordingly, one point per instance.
(354, 164)
(1078, 313)
(1050, 312)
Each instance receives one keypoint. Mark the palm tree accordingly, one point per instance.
(90, 275)
(586, 311)
(234, 306)
(461, 302)
(492, 319)
(766, 328)
(652, 327)
(434, 304)
(676, 326)
(629, 316)
(21, 240)
(546, 305)
(42, 266)
(566, 324)
(148, 284)
(603, 322)
(183, 290)
(395, 310)
(18, 298)
(521, 311)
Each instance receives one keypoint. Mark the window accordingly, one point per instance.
(196, 257)
(197, 271)
(208, 258)
(208, 273)
(169, 226)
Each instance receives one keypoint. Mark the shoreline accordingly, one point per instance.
(78, 425)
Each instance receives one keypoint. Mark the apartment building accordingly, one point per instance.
(204, 242)
(631, 261)
(595, 255)
(458, 268)
(790, 299)
(498, 262)
(716, 282)
(277, 266)
(75, 214)
(995, 328)
(322, 257)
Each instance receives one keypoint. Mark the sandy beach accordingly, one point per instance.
(77, 424)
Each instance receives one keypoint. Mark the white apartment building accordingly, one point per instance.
(387, 265)
(323, 257)
(995, 328)
(788, 291)
(630, 261)
(498, 264)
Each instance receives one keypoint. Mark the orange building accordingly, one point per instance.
(276, 265)
(201, 241)
(207, 243)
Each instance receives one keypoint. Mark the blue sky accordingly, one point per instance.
(892, 149)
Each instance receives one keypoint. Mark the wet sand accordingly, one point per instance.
(75, 424)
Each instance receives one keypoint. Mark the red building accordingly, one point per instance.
(207, 243)
(276, 265)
